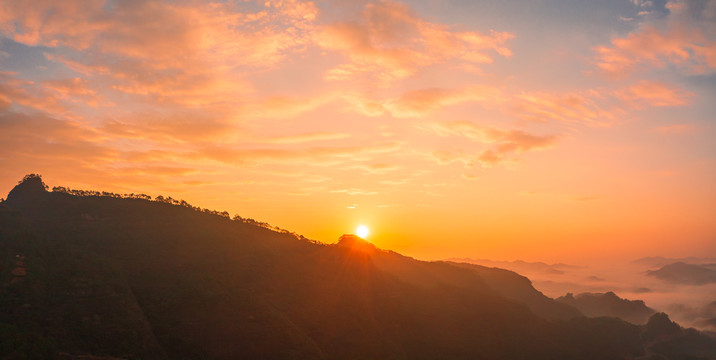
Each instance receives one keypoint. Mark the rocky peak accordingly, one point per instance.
(354, 242)
(31, 186)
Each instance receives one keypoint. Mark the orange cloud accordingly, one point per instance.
(286, 106)
(73, 23)
(391, 42)
(184, 53)
(375, 168)
(76, 90)
(503, 142)
(307, 137)
(652, 93)
(31, 139)
(156, 170)
(319, 156)
(685, 39)
(421, 102)
(188, 126)
(27, 94)
(598, 107)
(570, 108)
(444, 157)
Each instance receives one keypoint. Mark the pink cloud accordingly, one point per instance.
(156, 170)
(171, 128)
(319, 156)
(597, 107)
(48, 23)
(29, 139)
(76, 90)
(503, 143)
(685, 39)
(27, 94)
(281, 107)
(570, 108)
(652, 93)
(185, 53)
(422, 102)
(307, 137)
(391, 42)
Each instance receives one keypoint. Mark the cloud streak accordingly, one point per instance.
(686, 39)
(184, 53)
(503, 143)
(390, 42)
(653, 94)
(422, 102)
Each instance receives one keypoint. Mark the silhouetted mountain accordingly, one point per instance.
(659, 261)
(609, 304)
(126, 277)
(516, 287)
(519, 265)
(688, 274)
(674, 342)
(702, 316)
(709, 323)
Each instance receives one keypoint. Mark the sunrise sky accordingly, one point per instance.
(535, 130)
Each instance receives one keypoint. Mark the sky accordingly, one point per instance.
(534, 130)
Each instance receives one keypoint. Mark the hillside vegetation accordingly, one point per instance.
(129, 277)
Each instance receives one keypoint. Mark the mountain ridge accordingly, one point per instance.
(609, 304)
(210, 287)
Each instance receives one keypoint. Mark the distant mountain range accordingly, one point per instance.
(659, 261)
(519, 265)
(686, 274)
(105, 276)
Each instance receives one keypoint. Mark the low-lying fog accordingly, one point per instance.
(676, 292)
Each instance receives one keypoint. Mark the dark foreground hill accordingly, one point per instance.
(131, 278)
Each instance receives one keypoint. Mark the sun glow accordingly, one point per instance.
(362, 231)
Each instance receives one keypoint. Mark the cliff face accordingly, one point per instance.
(132, 278)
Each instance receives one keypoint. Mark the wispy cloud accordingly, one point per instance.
(653, 94)
(584, 108)
(686, 39)
(391, 42)
(178, 52)
(28, 94)
(503, 143)
(423, 102)
(319, 156)
(307, 137)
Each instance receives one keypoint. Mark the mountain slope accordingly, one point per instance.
(132, 278)
(518, 288)
(609, 304)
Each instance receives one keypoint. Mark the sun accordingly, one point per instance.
(362, 231)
